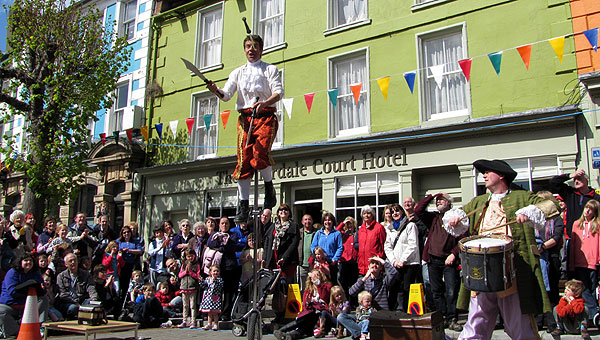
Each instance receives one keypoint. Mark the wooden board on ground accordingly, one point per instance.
(75, 327)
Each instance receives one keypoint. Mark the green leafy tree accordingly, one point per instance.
(60, 65)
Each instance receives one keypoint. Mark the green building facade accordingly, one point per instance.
(365, 149)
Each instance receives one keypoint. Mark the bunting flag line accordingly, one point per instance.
(333, 94)
(308, 98)
(129, 133)
(356, 91)
(558, 45)
(158, 128)
(437, 71)
(525, 53)
(116, 136)
(592, 37)
(173, 125)
(410, 79)
(144, 131)
(384, 85)
(207, 119)
(288, 104)
(103, 138)
(190, 124)
(496, 60)
(225, 118)
(465, 66)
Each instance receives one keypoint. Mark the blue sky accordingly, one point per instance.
(3, 16)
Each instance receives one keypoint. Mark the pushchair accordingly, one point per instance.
(241, 313)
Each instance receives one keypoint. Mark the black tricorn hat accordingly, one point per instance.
(498, 166)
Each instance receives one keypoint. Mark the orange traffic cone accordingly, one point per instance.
(30, 323)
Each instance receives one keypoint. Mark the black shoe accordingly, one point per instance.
(270, 196)
(243, 209)
(279, 334)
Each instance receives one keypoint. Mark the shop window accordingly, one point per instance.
(269, 16)
(349, 118)
(449, 98)
(203, 142)
(376, 190)
(223, 203)
(210, 31)
(533, 173)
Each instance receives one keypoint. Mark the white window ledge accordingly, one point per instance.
(277, 47)
(345, 27)
(211, 68)
(427, 4)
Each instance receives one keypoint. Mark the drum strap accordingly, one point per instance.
(481, 216)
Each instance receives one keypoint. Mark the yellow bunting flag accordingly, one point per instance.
(558, 44)
(384, 85)
(356, 91)
(144, 131)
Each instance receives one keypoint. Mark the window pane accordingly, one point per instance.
(210, 41)
(122, 92)
(348, 11)
(271, 21)
(204, 143)
(348, 114)
(130, 10)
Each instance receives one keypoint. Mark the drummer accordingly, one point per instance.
(527, 297)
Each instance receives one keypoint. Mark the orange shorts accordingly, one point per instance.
(257, 154)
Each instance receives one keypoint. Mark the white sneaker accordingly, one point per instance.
(167, 324)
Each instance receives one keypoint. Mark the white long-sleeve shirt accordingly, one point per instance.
(251, 80)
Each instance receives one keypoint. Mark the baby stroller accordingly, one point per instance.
(241, 313)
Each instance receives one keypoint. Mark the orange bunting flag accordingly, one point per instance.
(144, 131)
(356, 91)
(129, 133)
(384, 85)
(190, 124)
(308, 98)
(465, 66)
(558, 45)
(225, 118)
(525, 53)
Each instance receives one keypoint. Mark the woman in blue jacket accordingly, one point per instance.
(331, 241)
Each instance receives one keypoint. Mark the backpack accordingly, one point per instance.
(211, 257)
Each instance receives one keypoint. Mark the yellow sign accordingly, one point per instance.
(416, 299)
(293, 305)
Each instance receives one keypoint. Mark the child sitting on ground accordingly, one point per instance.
(135, 285)
(359, 326)
(147, 311)
(571, 314)
(164, 295)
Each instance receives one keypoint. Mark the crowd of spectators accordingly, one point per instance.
(194, 268)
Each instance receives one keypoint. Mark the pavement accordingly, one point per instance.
(177, 333)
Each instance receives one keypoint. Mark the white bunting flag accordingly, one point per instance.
(287, 104)
(173, 125)
(438, 74)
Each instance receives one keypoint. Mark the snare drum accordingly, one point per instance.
(487, 263)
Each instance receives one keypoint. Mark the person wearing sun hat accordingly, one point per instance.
(527, 295)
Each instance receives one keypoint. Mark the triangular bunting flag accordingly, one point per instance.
(356, 91)
(558, 45)
(333, 94)
(438, 74)
(225, 117)
(129, 133)
(410, 79)
(525, 53)
(103, 138)
(158, 128)
(173, 125)
(288, 103)
(465, 66)
(190, 124)
(207, 118)
(144, 131)
(308, 98)
(116, 136)
(496, 59)
(384, 85)
(592, 37)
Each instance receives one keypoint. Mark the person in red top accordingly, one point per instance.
(165, 296)
(114, 262)
(371, 238)
(570, 313)
(348, 267)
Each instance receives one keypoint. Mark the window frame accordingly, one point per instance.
(195, 153)
(115, 121)
(423, 72)
(260, 29)
(332, 115)
(199, 43)
(126, 22)
(332, 27)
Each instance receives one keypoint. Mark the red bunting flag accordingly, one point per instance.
(190, 124)
(525, 53)
(129, 133)
(356, 91)
(308, 98)
(225, 118)
(465, 65)
(103, 138)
